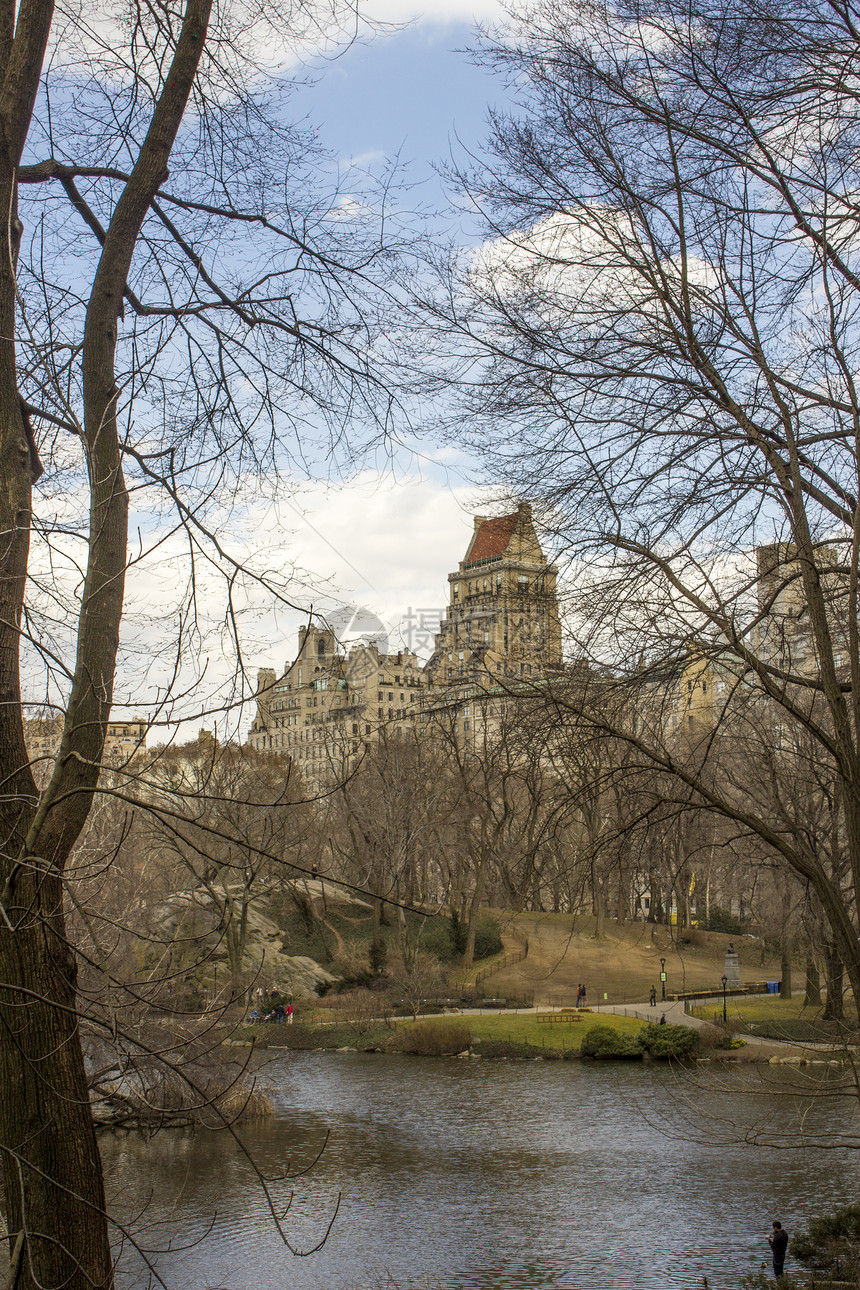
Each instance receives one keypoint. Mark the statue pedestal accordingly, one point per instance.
(732, 969)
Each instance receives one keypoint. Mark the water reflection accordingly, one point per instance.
(471, 1175)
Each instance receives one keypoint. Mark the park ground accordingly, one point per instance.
(622, 963)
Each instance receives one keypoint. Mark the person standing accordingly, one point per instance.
(289, 1014)
(652, 998)
(778, 1242)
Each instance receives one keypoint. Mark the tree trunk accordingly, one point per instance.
(813, 984)
(785, 969)
(474, 910)
(833, 1003)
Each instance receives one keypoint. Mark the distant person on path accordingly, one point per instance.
(289, 1014)
(778, 1242)
(662, 1020)
(582, 988)
(652, 998)
(579, 996)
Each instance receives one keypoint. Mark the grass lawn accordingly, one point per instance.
(526, 1029)
(519, 1031)
(774, 1018)
(768, 1007)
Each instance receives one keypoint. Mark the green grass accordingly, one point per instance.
(523, 1033)
(762, 1008)
(526, 1029)
(788, 1019)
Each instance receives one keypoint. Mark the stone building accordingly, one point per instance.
(124, 739)
(502, 616)
(501, 628)
(328, 702)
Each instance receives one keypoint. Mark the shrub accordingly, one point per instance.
(448, 941)
(513, 1048)
(760, 1281)
(721, 920)
(488, 938)
(377, 955)
(832, 1244)
(435, 1038)
(662, 1042)
(603, 1041)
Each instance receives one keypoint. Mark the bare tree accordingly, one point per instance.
(665, 309)
(182, 307)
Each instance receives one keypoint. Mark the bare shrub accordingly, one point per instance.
(435, 1038)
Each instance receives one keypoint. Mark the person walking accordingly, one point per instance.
(778, 1242)
(652, 998)
(289, 1014)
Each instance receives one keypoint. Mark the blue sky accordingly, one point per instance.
(408, 94)
(386, 539)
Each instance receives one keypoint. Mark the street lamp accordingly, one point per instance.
(725, 982)
(663, 979)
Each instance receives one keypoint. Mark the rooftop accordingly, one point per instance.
(491, 539)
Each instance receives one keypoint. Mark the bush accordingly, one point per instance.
(512, 1048)
(603, 1041)
(721, 920)
(447, 940)
(662, 1042)
(760, 1281)
(435, 1038)
(832, 1244)
(488, 938)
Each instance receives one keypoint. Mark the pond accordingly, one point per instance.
(476, 1175)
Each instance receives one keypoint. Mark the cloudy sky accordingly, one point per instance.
(384, 540)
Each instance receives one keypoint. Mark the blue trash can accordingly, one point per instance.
(773, 987)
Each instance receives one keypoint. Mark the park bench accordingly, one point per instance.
(565, 1015)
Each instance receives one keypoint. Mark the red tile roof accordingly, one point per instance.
(492, 538)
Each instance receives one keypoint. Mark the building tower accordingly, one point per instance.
(502, 613)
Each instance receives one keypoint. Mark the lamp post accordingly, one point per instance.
(663, 979)
(725, 982)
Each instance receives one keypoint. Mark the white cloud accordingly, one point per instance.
(383, 543)
(436, 12)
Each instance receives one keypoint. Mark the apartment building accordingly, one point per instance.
(124, 739)
(328, 702)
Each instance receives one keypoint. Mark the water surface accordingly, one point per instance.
(476, 1175)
